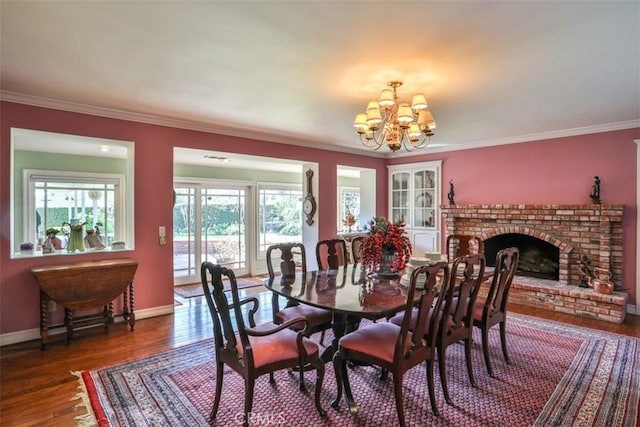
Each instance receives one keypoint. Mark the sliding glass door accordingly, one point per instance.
(209, 224)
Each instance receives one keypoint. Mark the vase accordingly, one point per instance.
(386, 258)
(76, 241)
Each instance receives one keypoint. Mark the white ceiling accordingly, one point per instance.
(298, 71)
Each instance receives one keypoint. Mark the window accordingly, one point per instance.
(54, 198)
(280, 215)
(349, 202)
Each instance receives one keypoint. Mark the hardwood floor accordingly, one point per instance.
(37, 387)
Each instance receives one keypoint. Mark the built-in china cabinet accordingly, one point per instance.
(414, 196)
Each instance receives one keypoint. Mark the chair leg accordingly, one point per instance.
(397, 387)
(216, 399)
(467, 352)
(353, 409)
(248, 399)
(301, 373)
(485, 349)
(337, 361)
(432, 392)
(442, 351)
(322, 338)
(319, 378)
(503, 340)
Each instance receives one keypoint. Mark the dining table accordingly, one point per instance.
(350, 293)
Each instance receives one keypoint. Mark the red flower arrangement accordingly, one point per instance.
(386, 236)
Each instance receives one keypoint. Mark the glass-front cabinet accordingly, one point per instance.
(415, 198)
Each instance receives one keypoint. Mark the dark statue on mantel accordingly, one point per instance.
(586, 271)
(595, 193)
(451, 193)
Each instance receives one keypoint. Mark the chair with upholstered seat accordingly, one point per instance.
(397, 348)
(253, 350)
(331, 254)
(493, 310)
(318, 319)
(456, 323)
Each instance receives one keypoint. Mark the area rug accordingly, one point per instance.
(195, 289)
(560, 376)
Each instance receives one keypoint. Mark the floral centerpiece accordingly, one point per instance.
(386, 239)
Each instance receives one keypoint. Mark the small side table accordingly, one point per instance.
(86, 285)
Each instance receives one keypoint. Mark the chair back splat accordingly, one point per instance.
(331, 254)
(398, 348)
(288, 262)
(253, 350)
(459, 245)
(356, 249)
(493, 310)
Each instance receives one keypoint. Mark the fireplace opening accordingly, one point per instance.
(538, 258)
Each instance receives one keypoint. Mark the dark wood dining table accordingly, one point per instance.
(350, 293)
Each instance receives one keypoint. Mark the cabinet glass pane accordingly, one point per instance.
(401, 181)
(399, 214)
(423, 217)
(423, 180)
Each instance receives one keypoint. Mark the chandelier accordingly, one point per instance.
(387, 121)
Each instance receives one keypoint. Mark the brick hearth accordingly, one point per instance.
(591, 230)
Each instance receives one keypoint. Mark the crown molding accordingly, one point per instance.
(217, 128)
(222, 129)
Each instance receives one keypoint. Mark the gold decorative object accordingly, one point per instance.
(349, 220)
(394, 124)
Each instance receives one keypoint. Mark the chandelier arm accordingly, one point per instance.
(424, 141)
(372, 144)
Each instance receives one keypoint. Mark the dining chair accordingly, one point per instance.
(253, 350)
(397, 348)
(331, 254)
(456, 323)
(493, 310)
(459, 245)
(318, 319)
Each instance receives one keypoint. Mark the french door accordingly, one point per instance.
(209, 224)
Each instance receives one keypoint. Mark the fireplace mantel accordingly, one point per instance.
(591, 230)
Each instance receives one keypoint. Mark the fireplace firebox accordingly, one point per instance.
(538, 258)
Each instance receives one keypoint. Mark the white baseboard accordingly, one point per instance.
(34, 334)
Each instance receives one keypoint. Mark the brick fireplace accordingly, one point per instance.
(594, 231)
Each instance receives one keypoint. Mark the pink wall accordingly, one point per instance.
(153, 200)
(553, 171)
(550, 171)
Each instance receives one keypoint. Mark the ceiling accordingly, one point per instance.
(297, 72)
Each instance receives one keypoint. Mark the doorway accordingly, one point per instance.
(209, 224)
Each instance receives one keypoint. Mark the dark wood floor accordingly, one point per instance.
(36, 387)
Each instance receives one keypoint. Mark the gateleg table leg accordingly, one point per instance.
(44, 330)
(68, 321)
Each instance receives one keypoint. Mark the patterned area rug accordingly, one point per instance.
(195, 289)
(560, 375)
